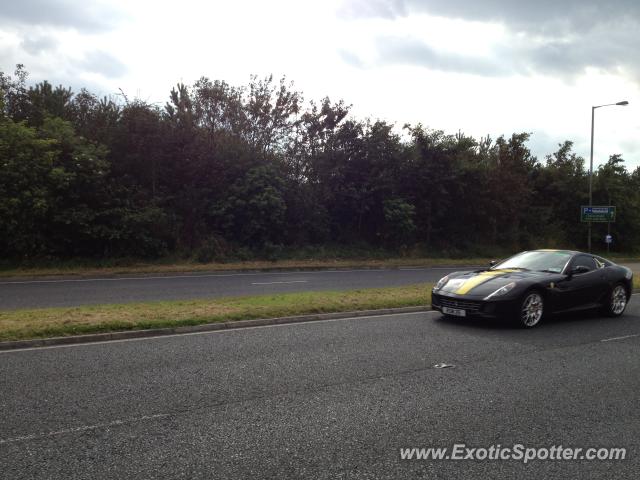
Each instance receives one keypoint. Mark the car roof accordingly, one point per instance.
(558, 250)
(572, 253)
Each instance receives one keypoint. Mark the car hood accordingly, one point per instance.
(485, 282)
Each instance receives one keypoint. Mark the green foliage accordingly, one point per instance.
(254, 210)
(213, 249)
(399, 224)
(57, 197)
(229, 173)
(28, 175)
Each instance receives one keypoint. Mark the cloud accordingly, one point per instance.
(103, 63)
(78, 14)
(559, 58)
(605, 49)
(353, 9)
(351, 58)
(545, 37)
(403, 50)
(37, 44)
(521, 15)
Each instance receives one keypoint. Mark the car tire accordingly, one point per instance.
(617, 300)
(531, 309)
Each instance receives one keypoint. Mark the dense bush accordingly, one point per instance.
(223, 171)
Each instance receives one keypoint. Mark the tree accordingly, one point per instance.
(26, 174)
(399, 222)
(46, 101)
(270, 114)
(252, 167)
(13, 91)
(614, 185)
(560, 189)
(254, 211)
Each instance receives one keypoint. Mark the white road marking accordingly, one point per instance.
(619, 338)
(274, 283)
(209, 275)
(229, 330)
(82, 429)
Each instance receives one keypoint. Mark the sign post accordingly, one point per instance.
(608, 239)
(598, 214)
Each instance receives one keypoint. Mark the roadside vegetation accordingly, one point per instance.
(51, 322)
(225, 174)
(177, 266)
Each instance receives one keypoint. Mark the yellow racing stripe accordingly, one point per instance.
(480, 278)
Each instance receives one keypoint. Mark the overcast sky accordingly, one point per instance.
(484, 67)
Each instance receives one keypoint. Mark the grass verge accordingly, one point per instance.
(51, 322)
(174, 265)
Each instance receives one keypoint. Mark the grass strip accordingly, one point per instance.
(50, 322)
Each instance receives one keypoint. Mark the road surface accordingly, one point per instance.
(71, 292)
(330, 399)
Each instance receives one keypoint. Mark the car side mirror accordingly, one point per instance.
(578, 270)
(492, 263)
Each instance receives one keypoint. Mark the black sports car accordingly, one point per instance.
(532, 284)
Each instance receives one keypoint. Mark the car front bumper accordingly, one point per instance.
(476, 307)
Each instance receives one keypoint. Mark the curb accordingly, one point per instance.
(207, 327)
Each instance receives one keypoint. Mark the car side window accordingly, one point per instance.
(599, 263)
(585, 261)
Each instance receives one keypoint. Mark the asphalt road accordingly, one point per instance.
(332, 399)
(70, 292)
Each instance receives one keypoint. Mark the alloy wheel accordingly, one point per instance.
(532, 309)
(618, 300)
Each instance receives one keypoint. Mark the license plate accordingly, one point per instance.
(454, 311)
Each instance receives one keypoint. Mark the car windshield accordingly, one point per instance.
(550, 261)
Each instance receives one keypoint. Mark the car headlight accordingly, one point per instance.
(441, 283)
(629, 274)
(501, 291)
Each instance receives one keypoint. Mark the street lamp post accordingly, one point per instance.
(593, 116)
